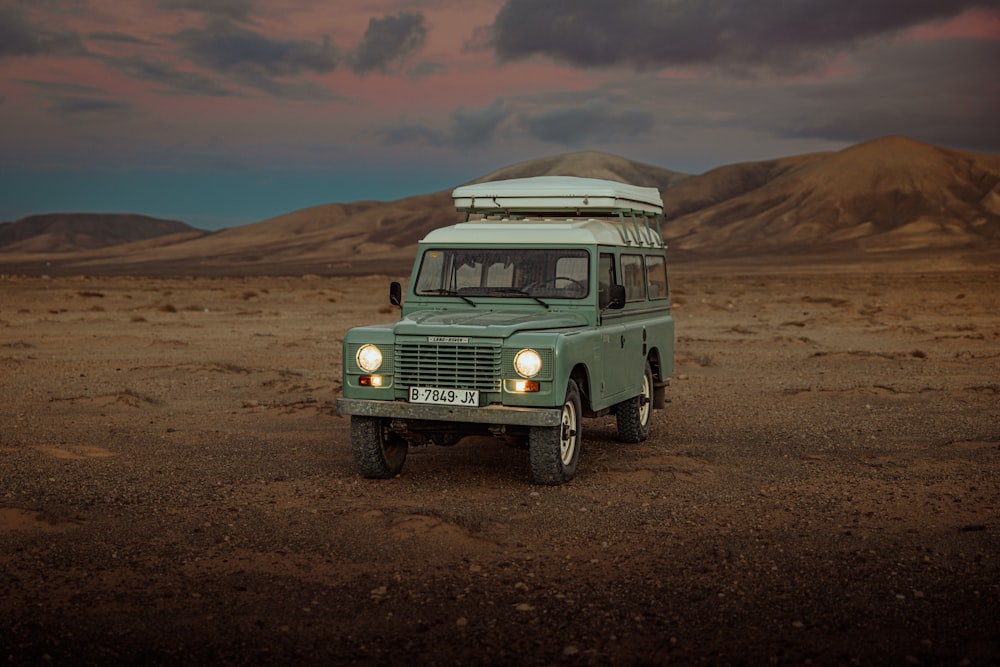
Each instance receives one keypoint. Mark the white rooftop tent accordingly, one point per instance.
(563, 194)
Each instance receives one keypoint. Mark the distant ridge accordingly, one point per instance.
(591, 164)
(890, 194)
(883, 197)
(73, 232)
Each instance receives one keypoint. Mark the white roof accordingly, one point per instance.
(505, 233)
(556, 193)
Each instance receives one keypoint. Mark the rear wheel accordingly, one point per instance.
(379, 453)
(635, 415)
(555, 450)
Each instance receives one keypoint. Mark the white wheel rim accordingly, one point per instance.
(645, 401)
(567, 438)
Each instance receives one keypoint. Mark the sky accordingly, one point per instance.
(227, 112)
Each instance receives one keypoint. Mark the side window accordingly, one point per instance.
(606, 276)
(656, 270)
(633, 277)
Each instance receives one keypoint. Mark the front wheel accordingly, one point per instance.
(379, 453)
(555, 450)
(635, 415)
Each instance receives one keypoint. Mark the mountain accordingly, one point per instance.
(890, 194)
(73, 232)
(591, 164)
(884, 197)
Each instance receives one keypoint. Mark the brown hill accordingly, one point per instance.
(360, 238)
(73, 232)
(890, 194)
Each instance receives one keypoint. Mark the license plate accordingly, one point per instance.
(466, 397)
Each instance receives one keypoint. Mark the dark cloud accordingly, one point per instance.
(425, 69)
(944, 92)
(469, 128)
(412, 133)
(388, 42)
(62, 87)
(295, 89)
(652, 34)
(236, 10)
(20, 37)
(74, 99)
(478, 127)
(117, 38)
(562, 119)
(594, 119)
(75, 106)
(173, 79)
(225, 46)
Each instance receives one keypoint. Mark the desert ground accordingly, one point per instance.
(824, 486)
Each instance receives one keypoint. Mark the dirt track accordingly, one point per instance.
(175, 487)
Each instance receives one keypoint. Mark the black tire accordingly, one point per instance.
(555, 450)
(379, 453)
(635, 415)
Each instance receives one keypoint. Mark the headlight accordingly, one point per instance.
(527, 363)
(369, 358)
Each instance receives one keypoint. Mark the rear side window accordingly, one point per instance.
(656, 270)
(633, 278)
(606, 276)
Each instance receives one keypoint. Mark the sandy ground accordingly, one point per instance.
(824, 487)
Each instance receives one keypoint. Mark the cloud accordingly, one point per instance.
(468, 128)
(117, 38)
(426, 69)
(62, 87)
(411, 133)
(566, 119)
(388, 42)
(75, 99)
(236, 10)
(295, 89)
(943, 92)
(249, 59)
(594, 119)
(20, 37)
(74, 106)
(224, 46)
(175, 80)
(654, 34)
(478, 127)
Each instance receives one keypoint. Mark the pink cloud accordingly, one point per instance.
(975, 23)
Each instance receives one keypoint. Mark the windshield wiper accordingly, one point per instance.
(519, 292)
(451, 292)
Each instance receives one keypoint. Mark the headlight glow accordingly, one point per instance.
(527, 363)
(369, 358)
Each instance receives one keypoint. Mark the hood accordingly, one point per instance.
(495, 324)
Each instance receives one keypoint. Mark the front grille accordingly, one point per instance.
(420, 364)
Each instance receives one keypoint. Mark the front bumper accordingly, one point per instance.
(489, 414)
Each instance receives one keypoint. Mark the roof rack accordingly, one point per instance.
(544, 198)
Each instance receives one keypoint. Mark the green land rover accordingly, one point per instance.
(548, 304)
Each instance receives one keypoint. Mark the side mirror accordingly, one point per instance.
(395, 294)
(616, 297)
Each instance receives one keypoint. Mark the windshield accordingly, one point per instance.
(560, 273)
